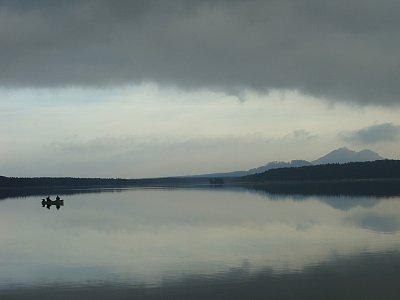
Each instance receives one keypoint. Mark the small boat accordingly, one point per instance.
(59, 202)
(53, 202)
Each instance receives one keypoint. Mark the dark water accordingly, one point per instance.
(200, 244)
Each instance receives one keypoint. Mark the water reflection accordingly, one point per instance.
(153, 242)
(367, 276)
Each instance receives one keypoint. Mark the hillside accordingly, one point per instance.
(380, 169)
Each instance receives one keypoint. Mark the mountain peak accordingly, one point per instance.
(344, 155)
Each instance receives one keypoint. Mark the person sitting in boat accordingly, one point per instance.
(48, 198)
(57, 198)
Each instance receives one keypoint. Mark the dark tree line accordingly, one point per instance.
(380, 169)
(368, 188)
(16, 182)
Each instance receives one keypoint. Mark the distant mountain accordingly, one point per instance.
(268, 166)
(279, 164)
(344, 155)
(340, 155)
(227, 174)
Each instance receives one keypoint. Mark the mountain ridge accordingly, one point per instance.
(345, 155)
(339, 155)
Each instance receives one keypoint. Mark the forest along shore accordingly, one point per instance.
(381, 177)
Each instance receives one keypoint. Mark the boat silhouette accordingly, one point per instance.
(48, 202)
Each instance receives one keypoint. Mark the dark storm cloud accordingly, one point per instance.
(387, 132)
(344, 50)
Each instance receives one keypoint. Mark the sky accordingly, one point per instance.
(163, 88)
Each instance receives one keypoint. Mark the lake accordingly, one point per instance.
(199, 243)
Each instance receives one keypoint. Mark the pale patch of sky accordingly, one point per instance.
(129, 132)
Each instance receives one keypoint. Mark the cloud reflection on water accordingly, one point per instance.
(146, 236)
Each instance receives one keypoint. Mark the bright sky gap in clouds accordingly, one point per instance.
(161, 88)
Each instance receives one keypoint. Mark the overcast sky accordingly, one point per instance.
(159, 88)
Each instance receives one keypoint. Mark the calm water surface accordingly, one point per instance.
(200, 244)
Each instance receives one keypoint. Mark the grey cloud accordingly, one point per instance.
(99, 145)
(303, 134)
(343, 50)
(299, 135)
(377, 222)
(387, 132)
